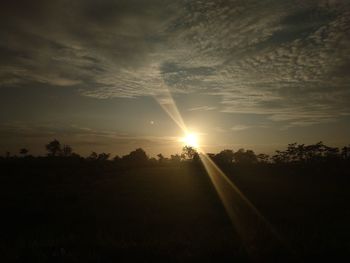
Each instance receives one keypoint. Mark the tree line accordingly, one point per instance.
(294, 153)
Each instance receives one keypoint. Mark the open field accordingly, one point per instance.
(174, 131)
(161, 212)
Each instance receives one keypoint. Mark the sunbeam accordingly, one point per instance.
(166, 101)
(258, 236)
(256, 233)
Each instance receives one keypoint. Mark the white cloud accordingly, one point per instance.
(202, 108)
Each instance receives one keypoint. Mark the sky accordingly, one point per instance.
(101, 75)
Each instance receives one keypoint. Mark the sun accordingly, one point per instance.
(191, 139)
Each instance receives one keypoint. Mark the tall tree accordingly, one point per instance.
(245, 157)
(225, 156)
(67, 151)
(136, 156)
(53, 148)
(189, 152)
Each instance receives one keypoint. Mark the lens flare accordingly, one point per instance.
(256, 233)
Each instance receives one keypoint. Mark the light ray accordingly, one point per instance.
(168, 104)
(257, 235)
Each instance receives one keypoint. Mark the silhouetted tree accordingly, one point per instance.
(189, 152)
(314, 152)
(307, 153)
(160, 157)
(292, 152)
(263, 158)
(245, 157)
(136, 156)
(23, 151)
(225, 156)
(345, 152)
(67, 151)
(103, 156)
(280, 157)
(53, 148)
(175, 158)
(116, 158)
(331, 153)
(93, 156)
(301, 152)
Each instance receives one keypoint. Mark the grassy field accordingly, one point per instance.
(162, 213)
(311, 212)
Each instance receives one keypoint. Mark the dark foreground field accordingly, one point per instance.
(171, 213)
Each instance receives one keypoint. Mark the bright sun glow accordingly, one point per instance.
(191, 140)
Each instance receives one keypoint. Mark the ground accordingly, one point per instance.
(162, 212)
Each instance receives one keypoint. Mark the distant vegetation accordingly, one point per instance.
(294, 154)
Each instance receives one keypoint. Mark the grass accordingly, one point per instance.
(161, 213)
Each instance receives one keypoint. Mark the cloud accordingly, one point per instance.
(202, 108)
(219, 129)
(83, 139)
(285, 61)
(240, 127)
(282, 61)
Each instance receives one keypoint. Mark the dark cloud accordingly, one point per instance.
(285, 60)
